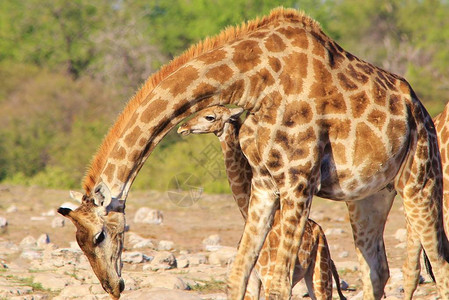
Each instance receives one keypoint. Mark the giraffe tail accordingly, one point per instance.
(428, 265)
(337, 280)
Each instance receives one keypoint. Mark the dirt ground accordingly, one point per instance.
(188, 226)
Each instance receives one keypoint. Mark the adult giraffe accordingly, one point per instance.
(327, 124)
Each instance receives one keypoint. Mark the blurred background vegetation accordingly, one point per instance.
(68, 67)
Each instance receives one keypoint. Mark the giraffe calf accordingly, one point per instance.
(314, 263)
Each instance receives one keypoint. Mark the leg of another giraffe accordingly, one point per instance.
(253, 288)
(319, 274)
(368, 217)
(412, 267)
(294, 215)
(260, 212)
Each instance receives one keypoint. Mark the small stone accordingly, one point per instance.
(162, 261)
(334, 231)
(197, 259)
(3, 223)
(223, 256)
(11, 209)
(38, 219)
(165, 245)
(165, 281)
(343, 254)
(31, 254)
(344, 285)
(213, 240)
(43, 240)
(132, 257)
(148, 215)
(401, 235)
(58, 222)
(182, 262)
(50, 213)
(28, 242)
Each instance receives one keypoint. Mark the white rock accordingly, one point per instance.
(50, 213)
(148, 215)
(212, 240)
(78, 290)
(52, 281)
(196, 259)
(343, 254)
(57, 222)
(165, 281)
(162, 261)
(165, 245)
(334, 231)
(139, 242)
(132, 257)
(11, 209)
(31, 254)
(3, 223)
(223, 256)
(162, 294)
(43, 240)
(28, 242)
(182, 261)
(401, 235)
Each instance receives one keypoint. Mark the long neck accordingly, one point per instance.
(196, 85)
(238, 169)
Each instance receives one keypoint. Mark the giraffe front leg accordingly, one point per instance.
(294, 215)
(260, 213)
(368, 217)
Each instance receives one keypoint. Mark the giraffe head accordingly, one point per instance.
(100, 234)
(210, 120)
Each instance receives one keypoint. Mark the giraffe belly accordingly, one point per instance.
(353, 183)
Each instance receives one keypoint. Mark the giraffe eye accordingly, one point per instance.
(210, 118)
(99, 238)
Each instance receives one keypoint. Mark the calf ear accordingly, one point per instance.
(236, 112)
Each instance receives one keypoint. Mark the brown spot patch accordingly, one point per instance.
(274, 162)
(379, 94)
(178, 82)
(297, 36)
(336, 128)
(318, 48)
(270, 103)
(246, 55)
(213, 56)
(131, 138)
(118, 152)
(274, 43)
(259, 81)
(109, 171)
(359, 103)
(295, 70)
(275, 64)
(339, 154)
(204, 89)
(234, 92)
(368, 148)
(397, 133)
(154, 108)
(334, 104)
(365, 67)
(297, 113)
(346, 83)
(396, 105)
(220, 73)
(356, 75)
(377, 118)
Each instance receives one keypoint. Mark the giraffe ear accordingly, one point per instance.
(102, 195)
(77, 196)
(236, 112)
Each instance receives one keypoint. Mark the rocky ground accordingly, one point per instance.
(172, 251)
